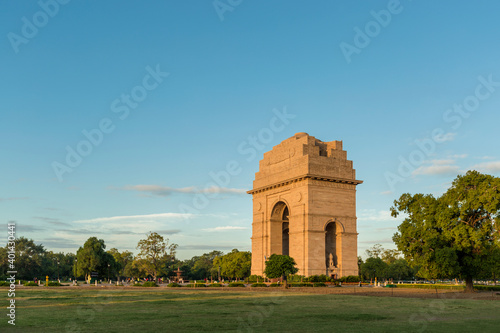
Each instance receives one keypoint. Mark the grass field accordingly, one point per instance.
(169, 310)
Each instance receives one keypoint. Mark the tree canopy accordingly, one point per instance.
(385, 264)
(279, 265)
(92, 257)
(155, 253)
(234, 265)
(454, 235)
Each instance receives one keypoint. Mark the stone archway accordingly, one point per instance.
(331, 244)
(279, 217)
(331, 254)
(302, 185)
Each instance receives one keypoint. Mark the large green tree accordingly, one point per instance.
(453, 235)
(92, 257)
(123, 261)
(374, 267)
(234, 265)
(203, 265)
(155, 253)
(59, 265)
(278, 265)
(30, 259)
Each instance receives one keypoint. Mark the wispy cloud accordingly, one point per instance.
(139, 218)
(448, 137)
(377, 241)
(443, 162)
(437, 169)
(126, 228)
(225, 228)
(487, 167)
(386, 192)
(21, 228)
(374, 215)
(52, 220)
(163, 191)
(168, 231)
(60, 243)
(210, 247)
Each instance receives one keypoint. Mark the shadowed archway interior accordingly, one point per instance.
(280, 215)
(331, 245)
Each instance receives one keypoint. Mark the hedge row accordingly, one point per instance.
(488, 288)
(430, 286)
(196, 285)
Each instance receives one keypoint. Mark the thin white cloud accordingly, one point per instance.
(437, 169)
(447, 137)
(377, 241)
(487, 167)
(138, 218)
(164, 191)
(374, 215)
(225, 228)
(386, 192)
(443, 162)
(126, 229)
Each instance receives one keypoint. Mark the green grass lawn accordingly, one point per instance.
(168, 310)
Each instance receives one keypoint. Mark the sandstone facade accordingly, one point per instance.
(304, 205)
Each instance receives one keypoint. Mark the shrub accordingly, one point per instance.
(300, 284)
(31, 284)
(137, 284)
(53, 284)
(196, 285)
(489, 288)
(349, 278)
(296, 278)
(150, 284)
(431, 286)
(319, 278)
(274, 284)
(4, 284)
(215, 285)
(174, 285)
(259, 285)
(236, 284)
(255, 278)
(319, 284)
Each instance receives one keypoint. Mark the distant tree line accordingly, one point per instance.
(156, 259)
(385, 264)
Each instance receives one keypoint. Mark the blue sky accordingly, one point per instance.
(159, 98)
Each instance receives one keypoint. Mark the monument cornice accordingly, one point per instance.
(304, 177)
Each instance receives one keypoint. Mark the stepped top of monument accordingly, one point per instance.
(302, 155)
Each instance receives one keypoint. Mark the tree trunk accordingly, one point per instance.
(469, 285)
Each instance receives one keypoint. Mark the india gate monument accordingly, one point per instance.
(304, 206)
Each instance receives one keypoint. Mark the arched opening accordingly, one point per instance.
(331, 246)
(280, 215)
(285, 240)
